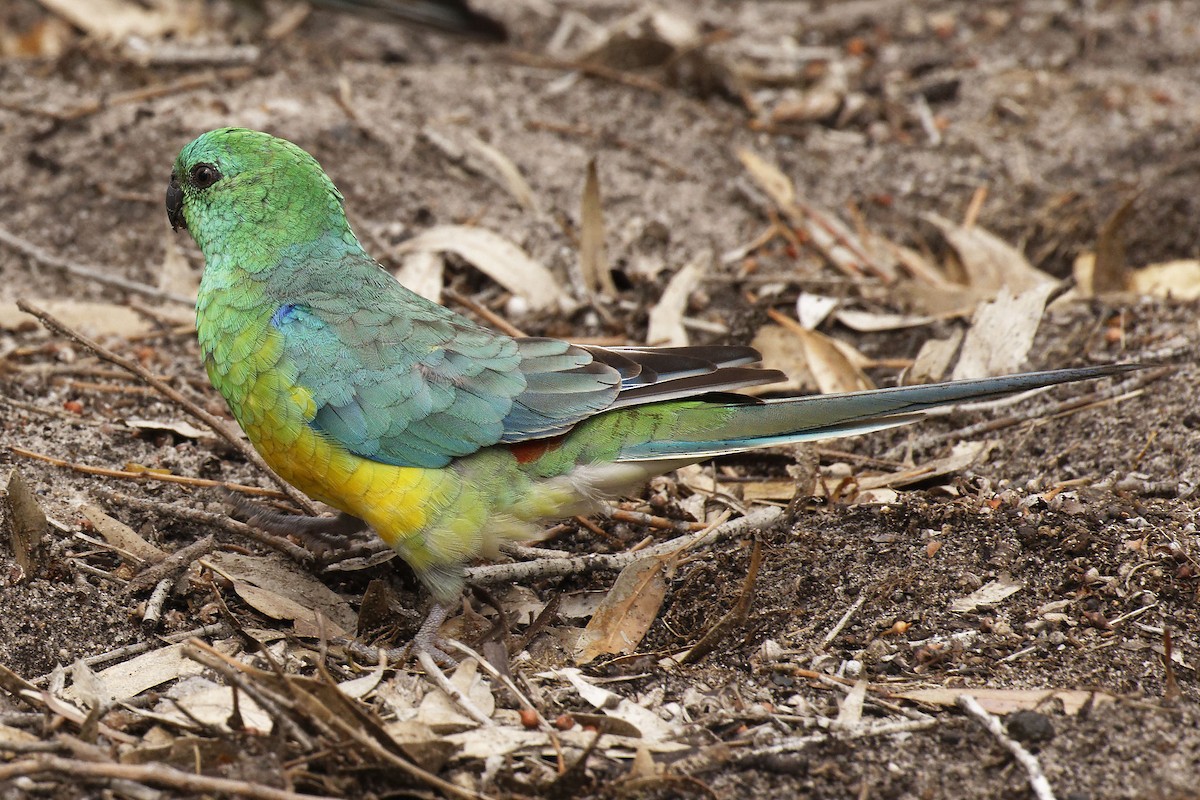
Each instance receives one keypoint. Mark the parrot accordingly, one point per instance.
(444, 437)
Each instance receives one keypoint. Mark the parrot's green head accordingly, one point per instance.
(236, 188)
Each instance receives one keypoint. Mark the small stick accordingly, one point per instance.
(1037, 779)
(559, 567)
(288, 548)
(165, 477)
(652, 521)
(154, 605)
(103, 275)
(479, 309)
(218, 427)
(841, 623)
(163, 571)
(72, 771)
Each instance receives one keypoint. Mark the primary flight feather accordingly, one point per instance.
(443, 436)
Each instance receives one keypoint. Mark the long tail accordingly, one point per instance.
(703, 429)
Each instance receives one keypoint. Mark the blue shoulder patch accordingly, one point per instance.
(283, 315)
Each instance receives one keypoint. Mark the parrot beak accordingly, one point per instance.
(175, 204)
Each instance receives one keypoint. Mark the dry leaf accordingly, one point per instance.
(124, 539)
(496, 257)
(132, 677)
(1110, 273)
(281, 590)
(989, 594)
(212, 704)
(1177, 279)
(422, 273)
(504, 172)
(831, 366)
(1006, 701)
(933, 359)
(781, 351)
(178, 428)
(118, 19)
(441, 713)
(984, 262)
(666, 317)
(24, 521)
(872, 322)
(1002, 333)
(627, 612)
(592, 260)
(812, 309)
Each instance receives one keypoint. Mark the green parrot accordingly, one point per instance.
(443, 436)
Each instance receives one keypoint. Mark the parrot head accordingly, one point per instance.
(233, 181)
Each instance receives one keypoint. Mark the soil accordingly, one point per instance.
(1063, 112)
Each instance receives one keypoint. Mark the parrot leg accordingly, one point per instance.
(427, 639)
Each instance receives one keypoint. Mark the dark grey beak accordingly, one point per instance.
(175, 204)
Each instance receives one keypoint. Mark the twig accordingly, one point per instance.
(734, 618)
(841, 623)
(1037, 779)
(103, 275)
(288, 548)
(490, 317)
(591, 70)
(219, 427)
(652, 521)
(148, 475)
(73, 770)
(166, 569)
(154, 606)
(558, 567)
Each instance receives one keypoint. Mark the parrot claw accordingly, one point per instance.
(428, 641)
(323, 536)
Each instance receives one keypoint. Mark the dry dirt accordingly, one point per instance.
(1062, 111)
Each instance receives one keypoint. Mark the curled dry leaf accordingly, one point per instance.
(593, 262)
(984, 262)
(496, 257)
(666, 317)
(24, 521)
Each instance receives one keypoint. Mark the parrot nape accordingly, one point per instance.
(443, 436)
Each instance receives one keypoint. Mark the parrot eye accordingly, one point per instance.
(204, 175)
